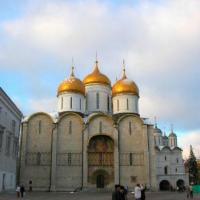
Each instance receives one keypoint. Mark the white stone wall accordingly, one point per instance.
(91, 99)
(135, 142)
(69, 140)
(36, 139)
(8, 114)
(78, 102)
(174, 162)
(120, 104)
(8, 179)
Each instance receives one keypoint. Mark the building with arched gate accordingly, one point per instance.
(96, 139)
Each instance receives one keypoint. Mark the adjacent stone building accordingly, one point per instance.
(10, 120)
(97, 139)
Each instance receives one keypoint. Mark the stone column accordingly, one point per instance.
(85, 157)
(116, 155)
(53, 157)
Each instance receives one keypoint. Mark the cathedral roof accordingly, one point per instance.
(125, 86)
(72, 84)
(96, 77)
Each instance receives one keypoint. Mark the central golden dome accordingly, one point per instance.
(125, 86)
(96, 77)
(72, 84)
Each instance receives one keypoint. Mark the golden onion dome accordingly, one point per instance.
(125, 86)
(72, 84)
(96, 77)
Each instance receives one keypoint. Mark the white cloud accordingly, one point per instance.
(160, 42)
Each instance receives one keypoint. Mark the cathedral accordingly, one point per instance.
(97, 139)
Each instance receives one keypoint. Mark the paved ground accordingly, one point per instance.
(93, 196)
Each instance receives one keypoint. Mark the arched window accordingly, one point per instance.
(70, 127)
(117, 104)
(165, 158)
(71, 102)
(61, 102)
(130, 128)
(131, 159)
(97, 100)
(100, 127)
(165, 170)
(39, 126)
(127, 104)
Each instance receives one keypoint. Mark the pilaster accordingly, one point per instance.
(53, 158)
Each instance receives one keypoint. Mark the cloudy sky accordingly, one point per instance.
(159, 41)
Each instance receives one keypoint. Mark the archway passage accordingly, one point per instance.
(100, 181)
(180, 183)
(164, 185)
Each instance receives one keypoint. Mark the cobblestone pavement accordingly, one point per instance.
(93, 196)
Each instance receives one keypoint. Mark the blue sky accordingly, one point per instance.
(159, 41)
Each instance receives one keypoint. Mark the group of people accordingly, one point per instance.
(120, 192)
(20, 190)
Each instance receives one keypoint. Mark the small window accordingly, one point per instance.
(131, 159)
(39, 126)
(108, 103)
(117, 104)
(177, 160)
(71, 102)
(97, 100)
(130, 128)
(69, 159)
(165, 158)
(166, 170)
(70, 127)
(127, 104)
(176, 170)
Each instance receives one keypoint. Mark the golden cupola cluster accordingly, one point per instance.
(72, 84)
(96, 77)
(125, 86)
(122, 86)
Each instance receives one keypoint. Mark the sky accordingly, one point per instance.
(159, 41)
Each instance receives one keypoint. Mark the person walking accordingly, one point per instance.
(22, 191)
(18, 191)
(143, 189)
(138, 192)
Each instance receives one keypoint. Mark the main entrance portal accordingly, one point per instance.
(101, 161)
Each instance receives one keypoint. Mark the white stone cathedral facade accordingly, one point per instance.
(97, 139)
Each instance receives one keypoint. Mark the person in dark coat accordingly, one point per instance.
(143, 189)
(22, 190)
(116, 194)
(122, 193)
